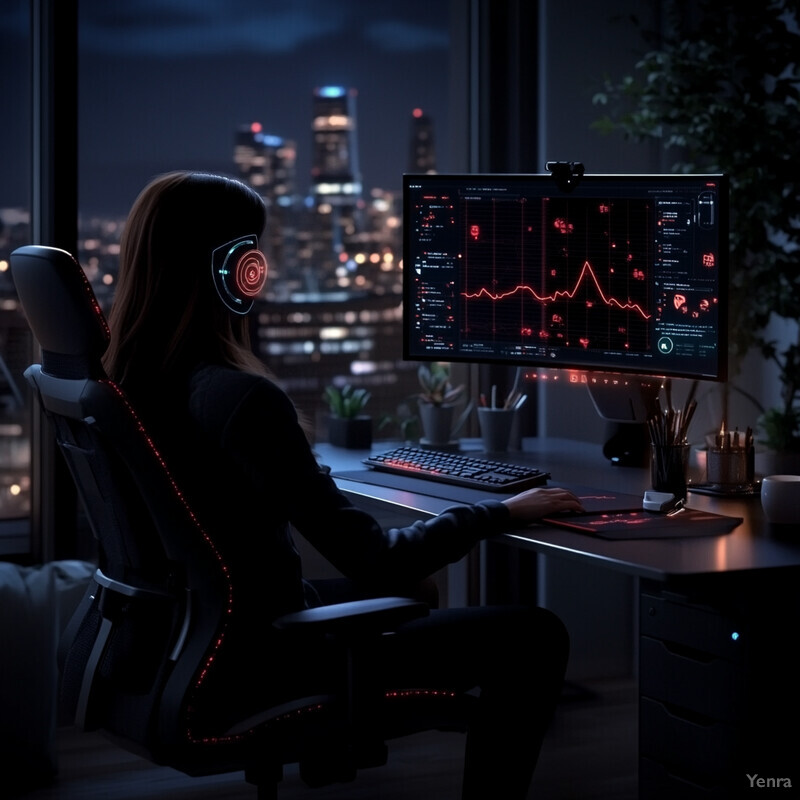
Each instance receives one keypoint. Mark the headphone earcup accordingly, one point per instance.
(239, 271)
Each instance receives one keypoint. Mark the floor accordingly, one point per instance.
(590, 754)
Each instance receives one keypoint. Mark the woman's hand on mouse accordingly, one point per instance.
(541, 501)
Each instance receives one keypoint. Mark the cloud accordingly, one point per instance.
(179, 28)
(399, 36)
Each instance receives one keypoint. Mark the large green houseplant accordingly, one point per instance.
(719, 89)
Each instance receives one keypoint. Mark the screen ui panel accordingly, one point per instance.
(618, 273)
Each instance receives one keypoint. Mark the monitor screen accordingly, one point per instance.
(615, 273)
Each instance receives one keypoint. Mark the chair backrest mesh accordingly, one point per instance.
(148, 537)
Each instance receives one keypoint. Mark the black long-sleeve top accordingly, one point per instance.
(235, 446)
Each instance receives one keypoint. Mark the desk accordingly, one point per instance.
(719, 696)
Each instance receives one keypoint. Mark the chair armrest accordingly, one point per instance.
(376, 615)
(129, 590)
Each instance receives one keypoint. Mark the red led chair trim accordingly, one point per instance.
(217, 555)
(90, 296)
(394, 694)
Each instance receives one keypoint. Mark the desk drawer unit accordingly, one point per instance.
(702, 683)
(710, 705)
(699, 748)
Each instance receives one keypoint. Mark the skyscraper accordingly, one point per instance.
(422, 153)
(335, 175)
(267, 163)
(336, 192)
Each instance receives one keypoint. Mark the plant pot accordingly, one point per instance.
(437, 423)
(770, 462)
(354, 433)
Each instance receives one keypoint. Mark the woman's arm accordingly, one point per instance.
(264, 435)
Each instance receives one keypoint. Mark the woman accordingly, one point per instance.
(180, 350)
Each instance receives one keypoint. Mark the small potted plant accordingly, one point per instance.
(348, 426)
(437, 403)
(405, 420)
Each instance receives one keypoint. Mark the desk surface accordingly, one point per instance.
(753, 545)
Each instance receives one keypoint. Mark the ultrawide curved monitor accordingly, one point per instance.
(613, 273)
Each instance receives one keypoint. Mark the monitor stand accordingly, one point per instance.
(628, 444)
(627, 401)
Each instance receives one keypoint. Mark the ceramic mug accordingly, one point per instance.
(780, 498)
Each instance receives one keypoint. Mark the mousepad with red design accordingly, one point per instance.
(642, 524)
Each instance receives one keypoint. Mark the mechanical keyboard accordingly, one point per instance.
(457, 469)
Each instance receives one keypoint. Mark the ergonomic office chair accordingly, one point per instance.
(147, 633)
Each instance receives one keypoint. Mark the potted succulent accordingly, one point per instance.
(406, 421)
(719, 88)
(437, 402)
(348, 426)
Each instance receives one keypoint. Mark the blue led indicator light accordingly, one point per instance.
(735, 636)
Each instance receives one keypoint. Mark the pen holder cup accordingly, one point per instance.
(669, 465)
(730, 467)
(496, 428)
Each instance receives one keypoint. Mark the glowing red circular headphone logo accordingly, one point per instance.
(239, 271)
(251, 273)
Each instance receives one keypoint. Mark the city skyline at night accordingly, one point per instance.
(168, 84)
(162, 87)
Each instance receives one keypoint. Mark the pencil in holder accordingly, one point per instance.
(669, 447)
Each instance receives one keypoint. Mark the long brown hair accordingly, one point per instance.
(166, 315)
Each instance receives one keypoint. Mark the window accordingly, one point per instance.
(321, 107)
(15, 339)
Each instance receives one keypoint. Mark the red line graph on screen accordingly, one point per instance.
(587, 274)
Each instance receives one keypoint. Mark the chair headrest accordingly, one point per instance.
(60, 306)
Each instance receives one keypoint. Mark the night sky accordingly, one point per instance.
(165, 83)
